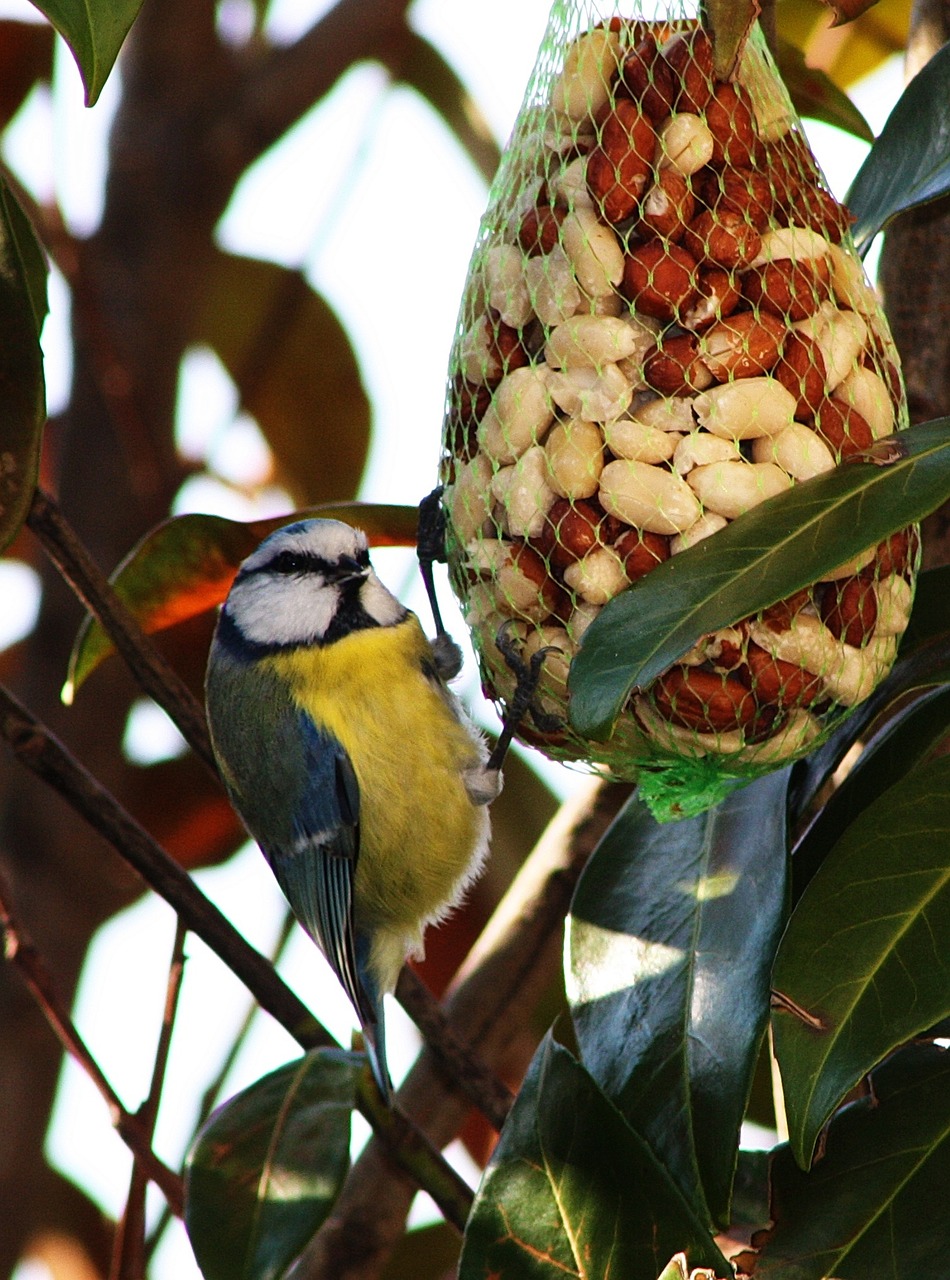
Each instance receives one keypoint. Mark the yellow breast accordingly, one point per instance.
(418, 829)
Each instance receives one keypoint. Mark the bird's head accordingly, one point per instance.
(308, 583)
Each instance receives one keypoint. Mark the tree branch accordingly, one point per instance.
(20, 951)
(277, 88)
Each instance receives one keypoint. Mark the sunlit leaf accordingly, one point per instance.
(265, 1170)
(815, 94)
(848, 10)
(295, 370)
(910, 162)
(419, 64)
(23, 404)
(672, 933)
(865, 960)
(187, 564)
(26, 56)
(875, 1206)
(778, 547)
(94, 31)
(572, 1191)
(847, 56)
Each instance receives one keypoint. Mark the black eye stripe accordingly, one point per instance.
(289, 563)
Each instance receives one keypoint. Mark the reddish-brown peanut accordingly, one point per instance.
(703, 700)
(660, 279)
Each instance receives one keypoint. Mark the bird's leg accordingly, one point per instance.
(527, 674)
(430, 547)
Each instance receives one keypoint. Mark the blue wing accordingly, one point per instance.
(317, 873)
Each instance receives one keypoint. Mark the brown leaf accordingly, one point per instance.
(847, 10)
(729, 22)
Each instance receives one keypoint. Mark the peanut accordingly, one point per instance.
(684, 144)
(551, 286)
(523, 492)
(574, 454)
(798, 450)
(583, 88)
(648, 497)
(745, 410)
(590, 341)
(598, 577)
(704, 527)
(866, 392)
(594, 251)
(627, 438)
(732, 488)
(594, 395)
(700, 448)
(518, 416)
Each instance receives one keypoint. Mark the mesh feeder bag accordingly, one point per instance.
(664, 324)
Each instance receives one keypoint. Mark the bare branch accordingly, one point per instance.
(20, 951)
(279, 87)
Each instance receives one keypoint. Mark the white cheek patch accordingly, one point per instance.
(282, 611)
(381, 605)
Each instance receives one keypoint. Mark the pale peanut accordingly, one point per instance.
(700, 448)
(704, 527)
(684, 143)
(468, 499)
(506, 288)
(746, 409)
(523, 492)
(583, 87)
(594, 251)
(648, 497)
(586, 341)
(797, 450)
(867, 393)
(628, 438)
(549, 280)
(894, 598)
(598, 577)
(595, 395)
(574, 457)
(732, 488)
(520, 413)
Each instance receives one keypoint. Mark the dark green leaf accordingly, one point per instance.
(265, 1170)
(778, 547)
(890, 754)
(186, 565)
(94, 31)
(672, 934)
(817, 96)
(571, 1190)
(420, 65)
(910, 162)
(875, 1206)
(23, 404)
(750, 1196)
(931, 613)
(865, 958)
(296, 372)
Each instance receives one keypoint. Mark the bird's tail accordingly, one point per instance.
(374, 1037)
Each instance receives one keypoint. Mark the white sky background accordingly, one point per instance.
(373, 198)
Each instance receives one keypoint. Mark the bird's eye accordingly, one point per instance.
(287, 562)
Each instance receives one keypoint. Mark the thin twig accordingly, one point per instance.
(21, 952)
(128, 1254)
(91, 585)
(212, 1094)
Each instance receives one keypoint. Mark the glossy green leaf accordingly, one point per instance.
(671, 938)
(910, 162)
(865, 960)
(23, 404)
(901, 743)
(265, 1170)
(875, 1206)
(420, 65)
(186, 565)
(816, 95)
(572, 1191)
(95, 31)
(778, 547)
(296, 372)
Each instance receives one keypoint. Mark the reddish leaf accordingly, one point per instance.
(26, 55)
(187, 564)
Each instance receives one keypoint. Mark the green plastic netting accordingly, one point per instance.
(664, 324)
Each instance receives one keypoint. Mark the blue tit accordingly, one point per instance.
(348, 759)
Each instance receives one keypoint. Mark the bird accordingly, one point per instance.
(347, 757)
